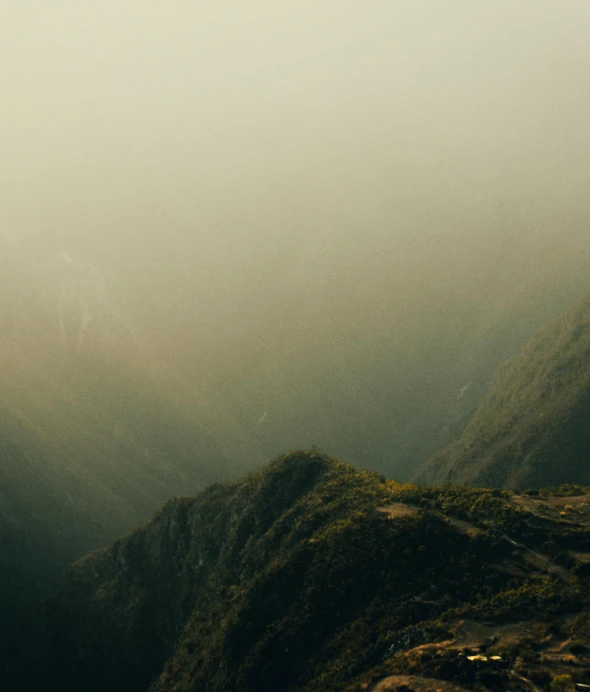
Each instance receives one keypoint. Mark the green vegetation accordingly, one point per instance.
(562, 683)
(308, 575)
(531, 429)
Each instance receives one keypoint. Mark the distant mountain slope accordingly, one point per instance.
(92, 435)
(75, 472)
(533, 427)
(30, 556)
(310, 575)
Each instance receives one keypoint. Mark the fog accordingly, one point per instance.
(313, 223)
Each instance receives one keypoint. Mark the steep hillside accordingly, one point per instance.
(31, 554)
(312, 575)
(533, 427)
(92, 438)
(80, 467)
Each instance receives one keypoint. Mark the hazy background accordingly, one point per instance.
(307, 223)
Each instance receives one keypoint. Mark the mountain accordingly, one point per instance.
(76, 471)
(312, 575)
(31, 552)
(93, 435)
(294, 355)
(532, 429)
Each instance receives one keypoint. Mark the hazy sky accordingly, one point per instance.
(290, 176)
(400, 141)
(395, 140)
(268, 118)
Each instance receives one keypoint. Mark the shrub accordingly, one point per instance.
(562, 683)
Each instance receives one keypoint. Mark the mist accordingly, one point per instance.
(312, 223)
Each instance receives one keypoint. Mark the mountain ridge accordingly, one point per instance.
(312, 575)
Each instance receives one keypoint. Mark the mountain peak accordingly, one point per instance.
(314, 576)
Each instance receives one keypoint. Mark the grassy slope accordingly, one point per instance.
(308, 575)
(531, 430)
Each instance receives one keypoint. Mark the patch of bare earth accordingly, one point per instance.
(476, 635)
(413, 682)
(398, 509)
(569, 509)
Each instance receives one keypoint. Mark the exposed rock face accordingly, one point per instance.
(533, 427)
